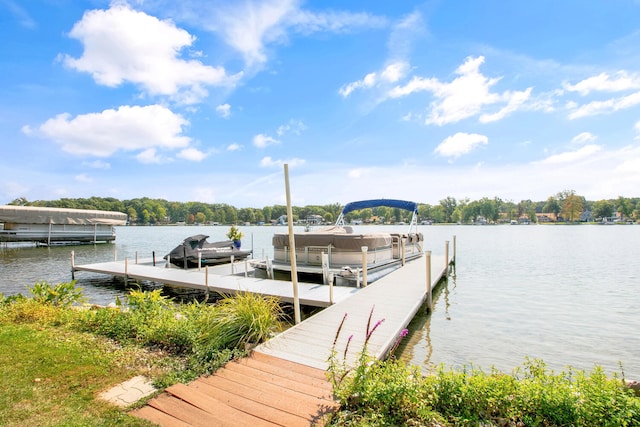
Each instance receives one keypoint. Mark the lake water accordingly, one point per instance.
(569, 295)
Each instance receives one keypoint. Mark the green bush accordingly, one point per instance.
(60, 295)
(392, 393)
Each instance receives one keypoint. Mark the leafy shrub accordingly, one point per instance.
(60, 295)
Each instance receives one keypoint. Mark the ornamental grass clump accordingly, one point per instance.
(239, 321)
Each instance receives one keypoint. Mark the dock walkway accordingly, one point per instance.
(392, 300)
(219, 279)
(283, 381)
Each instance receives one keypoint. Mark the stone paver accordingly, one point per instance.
(129, 392)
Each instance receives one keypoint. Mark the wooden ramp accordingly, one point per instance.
(219, 279)
(258, 390)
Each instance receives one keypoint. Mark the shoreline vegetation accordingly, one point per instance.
(57, 354)
(564, 207)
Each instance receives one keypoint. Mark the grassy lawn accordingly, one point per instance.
(51, 377)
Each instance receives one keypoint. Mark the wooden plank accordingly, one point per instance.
(276, 397)
(158, 417)
(247, 374)
(185, 412)
(282, 371)
(254, 407)
(291, 366)
(214, 406)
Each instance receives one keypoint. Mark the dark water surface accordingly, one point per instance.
(569, 295)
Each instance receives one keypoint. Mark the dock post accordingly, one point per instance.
(269, 268)
(454, 248)
(153, 256)
(126, 270)
(364, 266)
(168, 261)
(402, 250)
(136, 257)
(115, 253)
(73, 265)
(446, 256)
(199, 261)
(429, 296)
(233, 267)
(325, 268)
(206, 280)
(184, 257)
(331, 288)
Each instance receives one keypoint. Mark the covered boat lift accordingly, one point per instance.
(47, 226)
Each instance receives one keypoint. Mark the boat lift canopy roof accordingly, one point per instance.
(42, 215)
(390, 203)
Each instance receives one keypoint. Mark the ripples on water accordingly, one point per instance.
(569, 295)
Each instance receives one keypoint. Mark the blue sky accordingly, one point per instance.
(206, 100)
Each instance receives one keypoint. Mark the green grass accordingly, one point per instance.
(55, 359)
(51, 377)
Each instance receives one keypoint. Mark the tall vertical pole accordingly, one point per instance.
(292, 245)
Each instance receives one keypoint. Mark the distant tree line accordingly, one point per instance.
(564, 206)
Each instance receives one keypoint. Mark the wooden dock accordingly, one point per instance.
(283, 381)
(220, 279)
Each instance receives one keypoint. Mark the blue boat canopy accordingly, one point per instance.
(390, 203)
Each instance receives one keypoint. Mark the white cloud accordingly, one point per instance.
(294, 126)
(262, 141)
(572, 156)
(127, 129)
(403, 34)
(583, 137)
(515, 101)
(268, 162)
(192, 154)
(150, 155)
(234, 147)
(250, 26)
(390, 74)
(605, 83)
(460, 143)
(224, 110)
(603, 107)
(465, 96)
(121, 44)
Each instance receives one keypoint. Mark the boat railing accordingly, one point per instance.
(312, 255)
